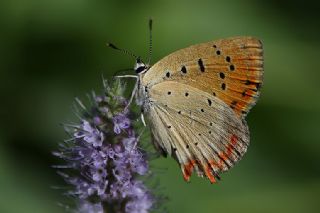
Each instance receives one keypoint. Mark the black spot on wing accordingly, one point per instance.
(233, 104)
(183, 69)
(248, 82)
(201, 66)
(223, 86)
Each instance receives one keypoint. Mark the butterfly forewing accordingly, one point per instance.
(231, 69)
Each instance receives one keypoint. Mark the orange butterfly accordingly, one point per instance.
(196, 99)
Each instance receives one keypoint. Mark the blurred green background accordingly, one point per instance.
(51, 51)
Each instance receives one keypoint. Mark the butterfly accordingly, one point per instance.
(196, 99)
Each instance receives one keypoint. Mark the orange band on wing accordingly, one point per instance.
(212, 164)
(209, 174)
(215, 165)
(187, 170)
(234, 139)
(228, 151)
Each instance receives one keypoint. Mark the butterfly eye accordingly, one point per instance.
(139, 66)
(140, 69)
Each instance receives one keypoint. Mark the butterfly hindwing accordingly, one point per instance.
(196, 128)
(230, 69)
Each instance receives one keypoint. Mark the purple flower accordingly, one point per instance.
(90, 134)
(120, 121)
(87, 207)
(104, 161)
(142, 201)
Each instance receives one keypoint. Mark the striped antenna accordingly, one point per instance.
(150, 40)
(122, 50)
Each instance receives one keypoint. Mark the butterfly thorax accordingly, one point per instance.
(143, 95)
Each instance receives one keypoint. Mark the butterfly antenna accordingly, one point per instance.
(150, 40)
(122, 50)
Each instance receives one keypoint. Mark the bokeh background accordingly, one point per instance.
(52, 51)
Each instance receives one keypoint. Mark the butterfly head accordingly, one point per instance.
(140, 66)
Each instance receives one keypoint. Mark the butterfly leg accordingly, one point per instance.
(126, 76)
(140, 135)
(134, 91)
(143, 121)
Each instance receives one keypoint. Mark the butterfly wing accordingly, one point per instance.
(196, 128)
(230, 69)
